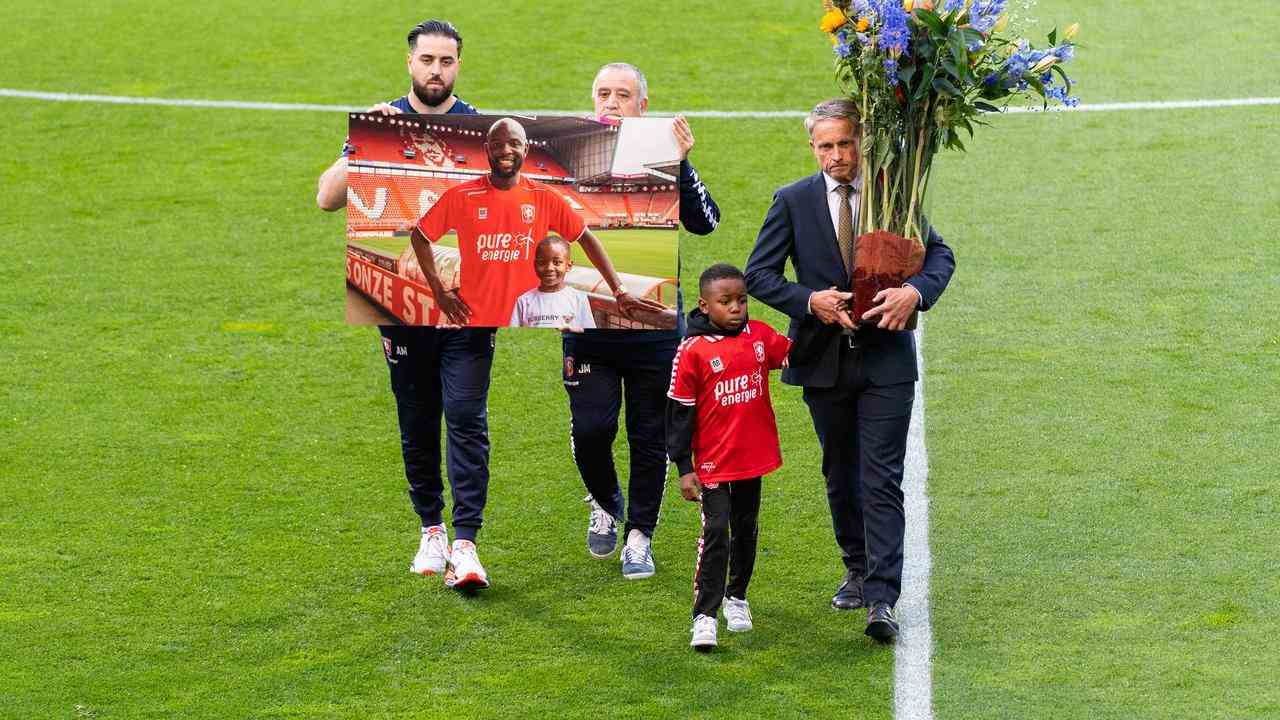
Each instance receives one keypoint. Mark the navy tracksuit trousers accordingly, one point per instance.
(598, 378)
(439, 373)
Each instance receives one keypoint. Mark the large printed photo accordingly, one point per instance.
(491, 220)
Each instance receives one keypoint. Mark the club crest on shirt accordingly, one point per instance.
(526, 213)
(759, 346)
(568, 366)
(482, 213)
(717, 364)
(386, 348)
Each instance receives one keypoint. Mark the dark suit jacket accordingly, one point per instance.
(798, 226)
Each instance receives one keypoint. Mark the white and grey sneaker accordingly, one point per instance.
(433, 551)
(704, 633)
(637, 556)
(602, 531)
(465, 571)
(737, 614)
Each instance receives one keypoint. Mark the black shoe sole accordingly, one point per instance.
(846, 608)
(881, 631)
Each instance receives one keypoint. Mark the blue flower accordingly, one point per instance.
(1065, 52)
(983, 14)
(864, 38)
(990, 80)
(952, 5)
(1071, 101)
(1046, 79)
(894, 34)
(861, 7)
(891, 70)
(843, 50)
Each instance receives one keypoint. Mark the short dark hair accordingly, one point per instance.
(443, 28)
(719, 271)
(550, 240)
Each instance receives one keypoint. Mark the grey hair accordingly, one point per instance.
(644, 84)
(830, 110)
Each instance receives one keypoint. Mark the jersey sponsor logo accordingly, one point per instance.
(526, 213)
(717, 364)
(482, 213)
(708, 467)
(739, 389)
(504, 247)
(759, 347)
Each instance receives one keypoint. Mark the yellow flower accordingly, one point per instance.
(863, 24)
(1071, 31)
(1001, 23)
(832, 21)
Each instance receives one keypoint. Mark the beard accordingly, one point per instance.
(431, 96)
(497, 170)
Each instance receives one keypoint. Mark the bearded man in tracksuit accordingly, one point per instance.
(602, 368)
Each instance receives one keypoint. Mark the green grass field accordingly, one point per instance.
(204, 506)
(641, 252)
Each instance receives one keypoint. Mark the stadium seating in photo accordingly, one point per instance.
(380, 201)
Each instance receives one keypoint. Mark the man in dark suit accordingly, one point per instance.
(858, 374)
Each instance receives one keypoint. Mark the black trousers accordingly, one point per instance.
(439, 373)
(597, 379)
(862, 427)
(728, 544)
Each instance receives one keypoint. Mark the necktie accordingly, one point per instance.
(844, 229)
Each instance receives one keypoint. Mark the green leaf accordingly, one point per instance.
(926, 82)
(1053, 36)
(931, 20)
(1063, 74)
(944, 85)
(986, 107)
(969, 36)
(951, 68)
(905, 73)
(956, 44)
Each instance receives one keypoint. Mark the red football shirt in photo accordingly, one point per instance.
(726, 379)
(497, 232)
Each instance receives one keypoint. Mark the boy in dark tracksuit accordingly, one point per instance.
(723, 437)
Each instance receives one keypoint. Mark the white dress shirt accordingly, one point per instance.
(855, 199)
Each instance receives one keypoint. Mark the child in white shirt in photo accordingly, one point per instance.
(553, 304)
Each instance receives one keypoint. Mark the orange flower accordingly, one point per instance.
(832, 21)
(863, 24)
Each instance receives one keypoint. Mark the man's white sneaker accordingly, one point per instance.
(637, 556)
(737, 615)
(704, 633)
(465, 571)
(433, 551)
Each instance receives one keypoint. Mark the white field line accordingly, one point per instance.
(913, 655)
(758, 114)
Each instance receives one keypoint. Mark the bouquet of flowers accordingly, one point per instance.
(921, 71)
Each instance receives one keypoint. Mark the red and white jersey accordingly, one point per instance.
(726, 379)
(497, 232)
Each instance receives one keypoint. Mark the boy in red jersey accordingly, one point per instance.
(500, 218)
(719, 417)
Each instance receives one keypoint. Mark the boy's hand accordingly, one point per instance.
(690, 488)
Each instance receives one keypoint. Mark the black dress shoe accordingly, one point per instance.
(881, 624)
(849, 594)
